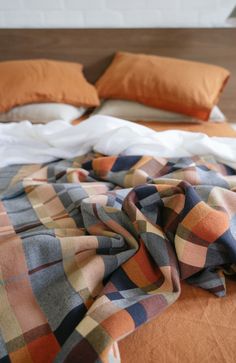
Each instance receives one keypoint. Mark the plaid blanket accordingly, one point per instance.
(92, 248)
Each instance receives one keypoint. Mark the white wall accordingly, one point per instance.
(113, 13)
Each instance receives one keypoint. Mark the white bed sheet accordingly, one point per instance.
(23, 143)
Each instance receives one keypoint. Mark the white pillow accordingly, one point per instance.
(43, 113)
(134, 111)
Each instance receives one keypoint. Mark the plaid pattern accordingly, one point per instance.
(94, 247)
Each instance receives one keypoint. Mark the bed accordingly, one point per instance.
(198, 326)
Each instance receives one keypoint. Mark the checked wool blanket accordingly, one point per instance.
(94, 247)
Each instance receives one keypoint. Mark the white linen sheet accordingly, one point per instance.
(23, 143)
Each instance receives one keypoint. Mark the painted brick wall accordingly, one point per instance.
(113, 13)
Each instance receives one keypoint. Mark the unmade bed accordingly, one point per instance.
(112, 249)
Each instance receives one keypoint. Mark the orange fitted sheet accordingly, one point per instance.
(198, 327)
(209, 128)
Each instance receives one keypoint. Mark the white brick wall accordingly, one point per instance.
(113, 13)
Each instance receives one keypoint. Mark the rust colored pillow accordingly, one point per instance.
(41, 80)
(171, 84)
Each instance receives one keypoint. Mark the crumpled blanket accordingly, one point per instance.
(94, 247)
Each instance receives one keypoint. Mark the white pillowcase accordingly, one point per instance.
(43, 113)
(134, 111)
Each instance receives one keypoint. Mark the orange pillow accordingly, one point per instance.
(171, 84)
(41, 80)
